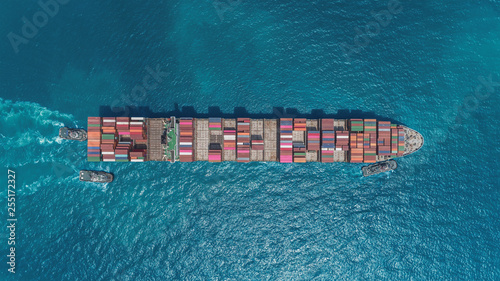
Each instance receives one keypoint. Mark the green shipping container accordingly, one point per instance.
(93, 159)
(94, 125)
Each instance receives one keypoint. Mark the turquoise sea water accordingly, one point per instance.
(433, 66)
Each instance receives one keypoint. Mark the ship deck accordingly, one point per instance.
(268, 130)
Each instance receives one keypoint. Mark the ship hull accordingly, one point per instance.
(286, 140)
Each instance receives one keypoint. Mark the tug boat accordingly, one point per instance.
(72, 134)
(95, 176)
(379, 167)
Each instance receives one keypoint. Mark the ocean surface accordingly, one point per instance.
(431, 65)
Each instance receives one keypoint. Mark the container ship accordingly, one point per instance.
(285, 140)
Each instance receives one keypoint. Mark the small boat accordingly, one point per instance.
(72, 134)
(95, 176)
(380, 167)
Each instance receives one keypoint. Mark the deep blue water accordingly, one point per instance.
(435, 218)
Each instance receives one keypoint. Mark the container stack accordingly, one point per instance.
(394, 140)
(229, 139)
(342, 140)
(353, 140)
(137, 155)
(122, 151)
(370, 147)
(370, 141)
(215, 124)
(327, 145)
(94, 139)
(243, 140)
(401, 141)
(109, 143)
(257, 144)
(327, 125)
(299, 124)
(137, 129)
(110, 137)
(356, 125)
(186, 139)
(384, 138)
(286, 140)
(214, 156)
(313, 140)
(356, 148)
(299, 153)
(123, 127)
(370, 126)
(108, 152)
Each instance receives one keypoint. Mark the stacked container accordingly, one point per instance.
(342, 142)
(122, 140)
(327, 146)
(108, 147)
(299, 124)
(384, 138)
(401, 141)
(394, 140)
(122, 151)
(137, 155)
(370, 141)
(356, 125)
(313, 142)
(108, 152)
(142, 137)
(327, 125)
(123, 127)
(370, 126)
(286, 140)
(94, 139)
(215, 124)
(299, 153)
(186, 139)
(229, 139)
(356, 155)
(214, 156)
(243, 140)
(370, 148)
(137, 128)
(257, 144)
